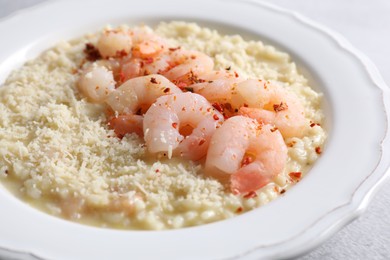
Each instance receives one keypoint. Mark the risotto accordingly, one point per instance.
(58, 153)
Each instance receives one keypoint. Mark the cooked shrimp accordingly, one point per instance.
(113, 43)
(136, 67)
(187, 65)
(181, 124)
(147, 48)
(110, 64)
(141, 42)
(131, 69)
(179, 66)
(113, 65)
(124, 124)
(146, 44)
(217, 85)
(96, 83)
(246, 154)
(270, 103)
(137, 94)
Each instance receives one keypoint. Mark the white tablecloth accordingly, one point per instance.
(366, 24)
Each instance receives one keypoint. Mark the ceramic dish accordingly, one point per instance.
(336, 190)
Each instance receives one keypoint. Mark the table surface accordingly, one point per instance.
(366, 24)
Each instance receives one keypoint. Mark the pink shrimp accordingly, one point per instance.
(270, 103)
(146, 43)
(96, 83)
(140, 93)
(187, 65)
(136, 67)
(133, 98)
(217, 86)
(140, 42)
(178, 65)
(113, 43)
(128, 123)
(245, 154)
(181, 124)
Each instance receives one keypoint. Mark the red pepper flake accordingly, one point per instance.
(181, 85)
(318, 150)
(274, 129)
(193, 57)
(282, 106)
(225, 109)
(282, 191)
(251, 194)
(139, 112)
(149, 60)
(228, 106)
(122, 76)
(314, 124)
(109, 112)
(91, 52)
(193, 78)
(291, 144)
(202, 142)
(167, 90)
(157, 171)
(218, 107)
(120, 54)
(153, 80)
(239, 210)
(245, 105)
(174, 125)
(246, 160)
(189, 89)
(236, 74)
(215, 117)
(174, 49)
(296, 176)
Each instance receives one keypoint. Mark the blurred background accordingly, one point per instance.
(366, 24)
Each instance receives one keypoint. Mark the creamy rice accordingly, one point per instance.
(57, 153)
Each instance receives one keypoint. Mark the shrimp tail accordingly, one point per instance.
(125, 124)
(248, 178)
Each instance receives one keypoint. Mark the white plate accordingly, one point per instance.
(335, 191)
